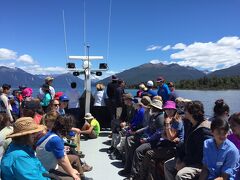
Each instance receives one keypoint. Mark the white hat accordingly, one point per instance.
(49, 78)
(157, 104)
(88, 116)
(150, 83)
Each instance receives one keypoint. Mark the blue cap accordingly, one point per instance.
(63, 98)
(71, 133)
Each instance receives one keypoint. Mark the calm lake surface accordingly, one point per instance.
(231, 97)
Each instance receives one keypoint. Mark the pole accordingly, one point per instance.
(88, 84)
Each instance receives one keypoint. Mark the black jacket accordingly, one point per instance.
(192, 153)
(111, 90)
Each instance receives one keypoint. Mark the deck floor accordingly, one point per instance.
(96, 156)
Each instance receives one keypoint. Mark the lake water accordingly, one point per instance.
(231, 97)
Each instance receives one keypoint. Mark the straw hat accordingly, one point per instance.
(157, 104)
(146, 100)
(24, 126)
(88, 116)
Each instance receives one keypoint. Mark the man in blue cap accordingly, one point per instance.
(63, 104)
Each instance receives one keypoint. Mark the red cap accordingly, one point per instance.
(57, 95)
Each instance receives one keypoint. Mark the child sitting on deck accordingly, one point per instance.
(220, 156)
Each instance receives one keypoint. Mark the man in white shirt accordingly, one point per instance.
(74, 95)
(5, 106)
(73, 105)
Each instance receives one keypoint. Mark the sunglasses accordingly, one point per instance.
(56, 104)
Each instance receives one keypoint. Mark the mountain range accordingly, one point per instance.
(171, 72)
(135, 75)
(16, 77)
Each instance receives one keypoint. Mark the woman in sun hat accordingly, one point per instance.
(141, 89)
(19, 161)
(135, 150)
(45, 102)
(189, 160)
(166, 146)
(27, 94)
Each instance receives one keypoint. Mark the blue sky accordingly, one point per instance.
(200, 33)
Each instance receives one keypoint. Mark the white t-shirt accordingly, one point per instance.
(41, 93)
(6, 106)
(73, 96)
(99, 97)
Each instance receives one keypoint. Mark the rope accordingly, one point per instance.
(109, 29)
(65, 36)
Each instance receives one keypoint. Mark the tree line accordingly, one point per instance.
(210, 83)
(205, 83)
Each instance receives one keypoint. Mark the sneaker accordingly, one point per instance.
(115, 155)
(86, 178)
(124, 173)
(110, 135)
(86, 167)
(110, 150)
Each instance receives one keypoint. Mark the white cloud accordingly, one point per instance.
(179, 46)
(153, 48)
(7, 54)
(210, 55)
(37, 69)
(166, 48)
(155, 61)
(26, 59)
(10, 65)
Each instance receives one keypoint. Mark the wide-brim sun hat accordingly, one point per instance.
(27, 92)
(127, 96)
(146, 101)
(142, 86)
(49, 78)
(88, 116)
(24, 126)
(169, 105)
(157, 104)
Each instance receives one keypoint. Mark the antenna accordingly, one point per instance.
(109, 29)
(84, 28)
(65, 36)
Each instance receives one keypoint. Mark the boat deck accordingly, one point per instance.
(96, 156)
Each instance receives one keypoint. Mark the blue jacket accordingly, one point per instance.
(136, 122)
(20, 162)
(164, 92)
